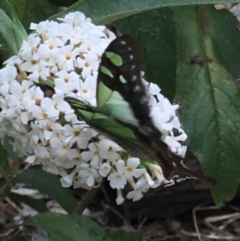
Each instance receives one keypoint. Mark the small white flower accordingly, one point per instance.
(67, 180)
(108, 150)
(29, 46)
(88, 62)
(60, 149)
(79, 134)
(57, 133)
(50, 48)
(7, 78)
(105, 169)
(39, 70)
(88, 173)
(66, 56)
(131, 169)
(66, 82)
(88, 90)
(75, 19)
(46, 114)
(31, 159)
(120, 198)
(172, 143)
(117, 180)
(30, 97)
(142, 186)
(92, 155)
(153, 88)
(52, 168)
(30, 63)
(150, 182)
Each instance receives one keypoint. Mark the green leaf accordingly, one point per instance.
(37, 204)
(62, 3)
(50, 185)
(31, 11)
(5, 166)
(106, 11)
(121, 235)
(7, 31)
(156, 34)
(19, 31)
(208, 93)
(18, 5)
(9, 148)
(62, 227)
(37, 11)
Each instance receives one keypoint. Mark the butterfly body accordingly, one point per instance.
(123, 109)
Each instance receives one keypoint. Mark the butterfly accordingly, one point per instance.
(123, 109)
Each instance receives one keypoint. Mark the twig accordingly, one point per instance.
(227, 222)
(13, 204)
(222, 217)
(141, 224)
(82, 205)
(117, 213)
(195, 220)
(209, 236)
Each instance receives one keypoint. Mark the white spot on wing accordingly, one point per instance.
(136, 88)
(122, 79)
(123, 42)
(134, 78)
(144, 100)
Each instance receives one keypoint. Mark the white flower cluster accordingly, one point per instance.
(61, 59)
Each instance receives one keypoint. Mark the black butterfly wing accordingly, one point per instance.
(122, 96)
(120, 71)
